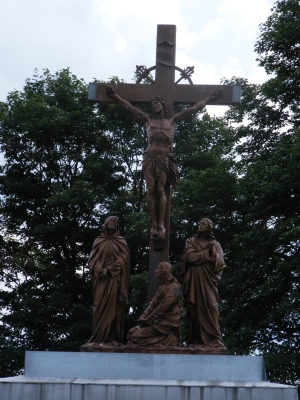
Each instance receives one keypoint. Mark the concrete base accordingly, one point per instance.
(24, 388)
(144, 366)
(91, 376)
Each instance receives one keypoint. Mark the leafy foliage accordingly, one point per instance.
(264, 270)
(278, 48)
(58, 175)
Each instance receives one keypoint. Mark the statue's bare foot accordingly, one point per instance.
(161, 231)
(154, 230)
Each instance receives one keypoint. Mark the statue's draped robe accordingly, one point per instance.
(201, 276)
(163, 162)
(111, 294)
(166, 312)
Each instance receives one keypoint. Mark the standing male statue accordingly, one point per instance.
(109, 270)
(202, 267)
(158, 161)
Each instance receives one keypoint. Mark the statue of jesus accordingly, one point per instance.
(158, 161)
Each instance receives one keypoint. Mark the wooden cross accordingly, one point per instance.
(164, 86)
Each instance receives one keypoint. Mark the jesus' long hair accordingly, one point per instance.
(165, 108)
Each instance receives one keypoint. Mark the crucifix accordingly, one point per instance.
(159, 168)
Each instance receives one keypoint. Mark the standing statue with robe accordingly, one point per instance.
(202, 267)
(109, 270)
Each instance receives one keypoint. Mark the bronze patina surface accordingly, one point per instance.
(202, 267)
(109, 270)
(160, 323)
(159, 166)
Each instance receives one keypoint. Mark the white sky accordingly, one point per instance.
(104, 38)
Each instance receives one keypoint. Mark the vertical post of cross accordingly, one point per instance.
(164, 79)
(165, 62)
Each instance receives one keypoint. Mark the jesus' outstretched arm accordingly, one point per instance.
(139, 114)
(217, 92)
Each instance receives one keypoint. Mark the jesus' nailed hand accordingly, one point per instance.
(158, 161)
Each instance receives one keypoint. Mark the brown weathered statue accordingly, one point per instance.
(160, 323)
(158, 161)
(109, 270)
(202, 267)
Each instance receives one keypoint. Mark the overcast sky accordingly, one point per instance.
(104, 38)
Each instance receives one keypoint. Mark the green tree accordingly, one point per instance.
(262, 288)
(61, 172)
(207, 187)
(278, 52)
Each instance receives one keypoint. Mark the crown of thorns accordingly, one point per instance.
(163, 103)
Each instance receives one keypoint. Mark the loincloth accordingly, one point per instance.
(165, 163)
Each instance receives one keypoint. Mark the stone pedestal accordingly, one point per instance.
(122, 376)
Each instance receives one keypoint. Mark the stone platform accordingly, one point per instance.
(144, 366)
(127, 376)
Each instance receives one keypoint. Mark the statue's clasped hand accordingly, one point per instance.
(211, 246)
(103, 274)
(145, 321)
(142, 321)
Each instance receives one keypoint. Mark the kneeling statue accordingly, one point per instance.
(160, 323)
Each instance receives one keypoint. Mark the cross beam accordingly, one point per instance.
(164, 84)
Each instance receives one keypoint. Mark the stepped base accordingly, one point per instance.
(123, 376)
(24, 388)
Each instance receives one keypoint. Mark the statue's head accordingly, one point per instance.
(164, 268)
(206, 226)
(157, 105)
(111, 226)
